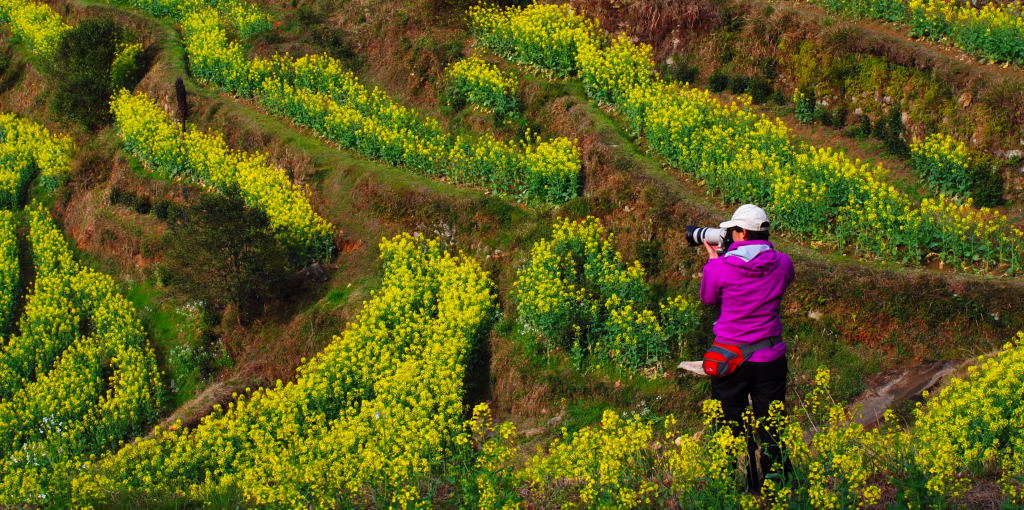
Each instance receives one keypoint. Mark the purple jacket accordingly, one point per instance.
(748, 281)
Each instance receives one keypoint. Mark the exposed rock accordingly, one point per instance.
(533, 432)
(964, 100)
(899, 386)
(315, 273)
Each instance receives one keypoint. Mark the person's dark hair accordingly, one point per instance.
(758, 235)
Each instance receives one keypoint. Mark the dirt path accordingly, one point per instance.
(218, 393)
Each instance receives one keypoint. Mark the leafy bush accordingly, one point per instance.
(116, 196)
(769, 68)
(824, 117)
(739, 84)
(718, 81)
(162, 209)
(82, 65)
(682, 71)
(889, 130)
(760, 90)
(223, 252)
(840, 115)
(864, 126)
(142, 204)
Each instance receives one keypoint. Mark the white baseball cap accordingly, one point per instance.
(748, 217)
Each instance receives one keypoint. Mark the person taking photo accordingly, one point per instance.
(748, 281)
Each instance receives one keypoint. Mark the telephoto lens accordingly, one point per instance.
(697, 235)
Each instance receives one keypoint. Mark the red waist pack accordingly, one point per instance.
(723, 359)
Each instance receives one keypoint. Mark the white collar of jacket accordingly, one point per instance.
(747, 252)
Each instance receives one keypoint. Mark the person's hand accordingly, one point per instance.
(711, 249)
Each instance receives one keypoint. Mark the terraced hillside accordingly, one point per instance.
(432, 252)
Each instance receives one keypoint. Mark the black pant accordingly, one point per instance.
(763, 383)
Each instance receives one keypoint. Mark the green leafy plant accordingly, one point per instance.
(804, 105)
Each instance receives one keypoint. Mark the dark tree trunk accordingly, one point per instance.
(179, 92)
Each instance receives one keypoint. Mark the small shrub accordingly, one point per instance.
(760, 90)
(82, 64)
(878, 129)
(824, 117)
(852, 132)
(718, 81)
(6, 56)
(142, 204)
(116, 196)
(450, 100)
(864, 127)
(683, 72)
(889, 130)
(769, 68)
(988, 186)
(839, 117)
(175, 213)
(728, 53)
(739, 84)
(161, 208)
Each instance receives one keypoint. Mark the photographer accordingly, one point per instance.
(748, 281)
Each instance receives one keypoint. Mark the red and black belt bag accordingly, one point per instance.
(723, 359)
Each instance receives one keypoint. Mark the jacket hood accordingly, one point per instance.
(754, 258)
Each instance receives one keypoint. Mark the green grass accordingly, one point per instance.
(812, 344)
(178, 334)
(582, 413)
(337, 297)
